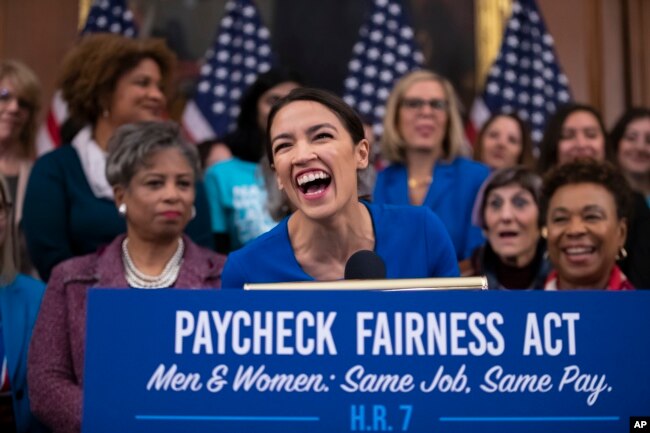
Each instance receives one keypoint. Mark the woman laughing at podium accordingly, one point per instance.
(316, 145)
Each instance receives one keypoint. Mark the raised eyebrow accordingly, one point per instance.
(315, 128)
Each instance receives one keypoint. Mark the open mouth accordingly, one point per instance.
(579, 254)
(577, 251)
(508, 235)
(313, 183)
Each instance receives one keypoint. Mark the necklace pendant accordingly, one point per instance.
(416, 183)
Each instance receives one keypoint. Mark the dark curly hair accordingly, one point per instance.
(91, 70)
(602, 173)
(247, 141)
(619, 129)
(553, 133)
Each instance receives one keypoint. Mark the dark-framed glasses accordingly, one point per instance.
(419, 103)
(6, 96)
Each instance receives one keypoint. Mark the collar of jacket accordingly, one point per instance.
(105, 268)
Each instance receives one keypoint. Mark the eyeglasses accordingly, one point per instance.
(6, 96)
(417, 104)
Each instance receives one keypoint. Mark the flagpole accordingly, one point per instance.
(84, 8)
(491, 18)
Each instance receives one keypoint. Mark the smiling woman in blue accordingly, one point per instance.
(423, 140)
(316, 145)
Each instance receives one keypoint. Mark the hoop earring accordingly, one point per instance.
(122, 210)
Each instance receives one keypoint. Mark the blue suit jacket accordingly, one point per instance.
(451, 196)
(19, 304)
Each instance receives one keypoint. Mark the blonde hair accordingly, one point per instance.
(393, 145)
(8, 258)
(27, 87)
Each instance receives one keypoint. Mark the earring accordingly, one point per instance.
(193, 213)
(544, 232)
(622, 253)
(122, 210)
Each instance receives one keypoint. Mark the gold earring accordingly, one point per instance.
(544, 232)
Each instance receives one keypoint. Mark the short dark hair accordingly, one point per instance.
(588, 170)
(247, 141)
(519, 175)
(131, 146)
(346, 114)
(628, 117)
(553, 134)
(526, 158)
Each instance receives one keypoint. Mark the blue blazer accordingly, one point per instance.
(19, 304)
(451, 196)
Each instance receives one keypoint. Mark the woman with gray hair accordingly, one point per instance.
(423, 141)
(153, 176)
(507, 209)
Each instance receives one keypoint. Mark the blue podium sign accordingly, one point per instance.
(234, 361)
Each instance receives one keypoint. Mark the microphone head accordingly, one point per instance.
(365, 265)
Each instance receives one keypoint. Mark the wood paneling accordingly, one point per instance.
(637, 36)
(38, 32)
(589, 40)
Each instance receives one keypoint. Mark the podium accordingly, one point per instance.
(365, 361)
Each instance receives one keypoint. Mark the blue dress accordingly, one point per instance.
(451, 196)
(411, 240)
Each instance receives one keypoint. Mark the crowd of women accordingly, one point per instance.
(127, 203)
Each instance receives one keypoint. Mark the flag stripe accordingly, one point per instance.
(200, 128)
(240, 52)
(105, 16)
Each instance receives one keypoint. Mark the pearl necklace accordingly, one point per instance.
(140, 280)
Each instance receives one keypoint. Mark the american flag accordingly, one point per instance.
(385, 51)
(241, 51)
(110, 16)
(105, 16)
(526, 77)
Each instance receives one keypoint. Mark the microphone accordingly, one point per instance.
(365, 265)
